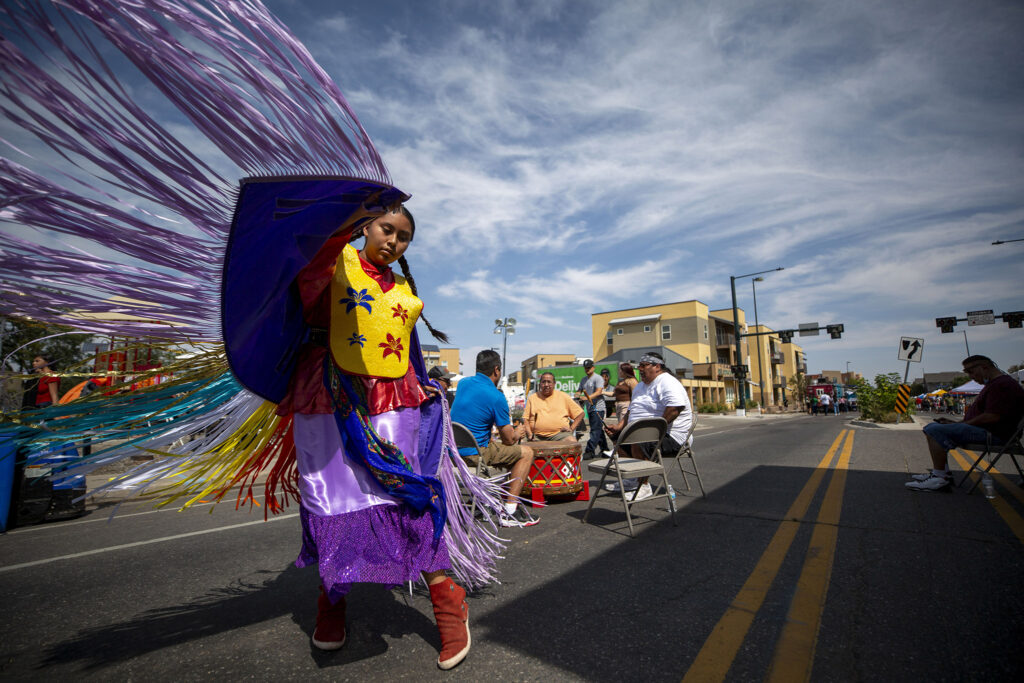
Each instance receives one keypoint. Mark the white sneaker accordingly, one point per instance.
(631, 485)
(932, 483)
(928, 475)
(519, 518)
(644, 493)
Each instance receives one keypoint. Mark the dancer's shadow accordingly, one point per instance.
(373, 613)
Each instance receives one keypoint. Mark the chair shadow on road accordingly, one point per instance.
(374, 612)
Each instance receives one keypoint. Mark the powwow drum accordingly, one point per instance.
(556, 471)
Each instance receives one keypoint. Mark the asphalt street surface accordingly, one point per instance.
(808, 559)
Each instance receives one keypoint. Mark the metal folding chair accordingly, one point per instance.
(685, 452)
(1014, 446)
(465, 439)
(646, 430)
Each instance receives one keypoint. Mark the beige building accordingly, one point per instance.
(447, 359)
(544, 360)
(773, 366)
(706, 337)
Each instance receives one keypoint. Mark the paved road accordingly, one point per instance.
(808, 558)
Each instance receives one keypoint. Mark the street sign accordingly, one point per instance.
(911, 349)
(980, 318)
(808, 329)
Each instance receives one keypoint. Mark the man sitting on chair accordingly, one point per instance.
(479, 406)
(997, 410)
(659, 394)
(550, 414)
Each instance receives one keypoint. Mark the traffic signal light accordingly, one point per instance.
(945, 324)
(835, 331)
(1014, 319)
(739, 371)
(786, 336)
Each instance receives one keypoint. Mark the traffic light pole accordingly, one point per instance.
(741, 377)
(741, 407)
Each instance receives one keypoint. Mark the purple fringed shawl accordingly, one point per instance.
(121, 204)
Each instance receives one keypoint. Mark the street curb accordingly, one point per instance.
(903, 426)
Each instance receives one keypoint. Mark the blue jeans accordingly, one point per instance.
(956, 434)
(596, 443)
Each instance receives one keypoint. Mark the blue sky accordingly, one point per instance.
(572, 157)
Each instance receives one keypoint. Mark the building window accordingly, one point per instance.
(647, 328)
(666, 332)
(610, 338)
(618, 331)
(705, 330)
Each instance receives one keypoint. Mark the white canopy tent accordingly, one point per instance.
(970, 387)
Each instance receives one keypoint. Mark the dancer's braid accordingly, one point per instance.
(438, 335)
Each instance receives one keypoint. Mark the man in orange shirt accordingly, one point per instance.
(550, 415)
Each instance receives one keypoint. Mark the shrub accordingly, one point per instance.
(878, 402)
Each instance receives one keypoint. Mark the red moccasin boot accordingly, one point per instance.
(452, 614)
(330, 623)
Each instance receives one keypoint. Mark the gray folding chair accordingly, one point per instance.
(643, 431)
(1014, 446)
(685, 452)
(465, 439)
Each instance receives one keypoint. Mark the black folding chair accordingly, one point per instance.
(1013, 447)
(465, 439)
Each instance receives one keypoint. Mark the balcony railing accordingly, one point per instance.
(725, 339)
(778, 358)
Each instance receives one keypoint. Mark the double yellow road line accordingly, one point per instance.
(794, 652)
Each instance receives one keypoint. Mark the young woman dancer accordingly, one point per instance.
(371, 511)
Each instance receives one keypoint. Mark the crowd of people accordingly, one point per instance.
(550, 414)
(824, 404)
(941, 403)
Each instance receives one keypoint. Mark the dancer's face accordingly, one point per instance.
(387, 238)
(39, 363)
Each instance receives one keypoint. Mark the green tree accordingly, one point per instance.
(798, 385)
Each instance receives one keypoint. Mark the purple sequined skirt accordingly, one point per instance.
(381, 544)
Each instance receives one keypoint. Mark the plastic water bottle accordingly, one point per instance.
(988, 486)
(672, 497)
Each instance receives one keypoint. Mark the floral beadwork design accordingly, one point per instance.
(399, 312)
(356, 338)
(392, 345)
(354, 298)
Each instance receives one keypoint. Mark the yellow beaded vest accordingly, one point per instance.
(370, 328)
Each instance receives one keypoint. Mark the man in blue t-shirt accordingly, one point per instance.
(479, 405)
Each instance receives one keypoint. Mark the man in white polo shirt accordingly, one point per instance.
(659, 394)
